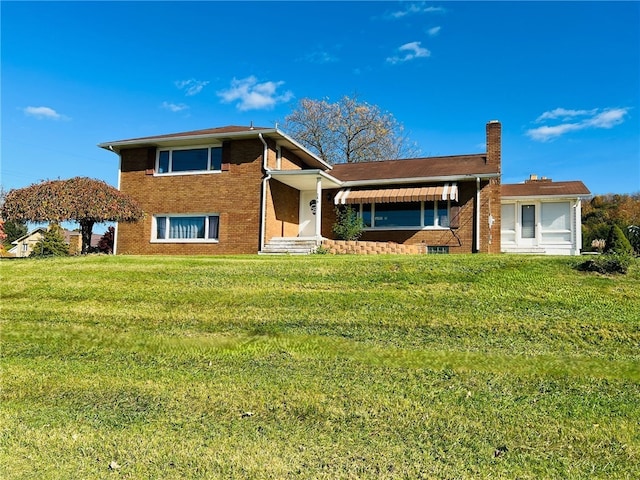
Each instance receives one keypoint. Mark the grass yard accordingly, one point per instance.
(318, 367)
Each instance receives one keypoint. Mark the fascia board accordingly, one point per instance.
(394, 181)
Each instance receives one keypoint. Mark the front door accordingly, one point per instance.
(307, 214)
(528, 224)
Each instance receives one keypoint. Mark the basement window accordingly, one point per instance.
(438, 249)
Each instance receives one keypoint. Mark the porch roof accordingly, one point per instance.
(305, 179)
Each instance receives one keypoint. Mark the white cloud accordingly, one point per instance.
(251, 95)
(174, 107)
(416, 8)
(609, 118)
(44, 113)
(413, 49)
(320, 57)
(191, 87)
(582, 119)
(564, 114)
(434, 31)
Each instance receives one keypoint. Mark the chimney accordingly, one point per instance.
(494, 144)
(534, 178)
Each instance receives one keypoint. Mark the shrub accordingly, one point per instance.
(52, 244)
(105, 245)
(607, 264)
(617, 243)
(633, 233)
(348, 225)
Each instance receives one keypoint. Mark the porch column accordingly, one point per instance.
(318, 208)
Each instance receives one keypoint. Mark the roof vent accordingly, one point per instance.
(251, 126)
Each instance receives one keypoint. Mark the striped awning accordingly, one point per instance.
(447, 191)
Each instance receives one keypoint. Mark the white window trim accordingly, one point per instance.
(188, 172)
(420, 227)
(540, 230)
(154, 228)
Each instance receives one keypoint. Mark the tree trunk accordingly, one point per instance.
(86, 227)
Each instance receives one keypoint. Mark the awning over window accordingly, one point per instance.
(448, 191)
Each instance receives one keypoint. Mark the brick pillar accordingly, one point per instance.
(494, 144)
(491, 242)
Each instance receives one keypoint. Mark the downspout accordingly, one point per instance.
(477, 214)
(115, 229)
(265, 167)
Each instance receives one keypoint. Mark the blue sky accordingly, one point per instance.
(563, 78)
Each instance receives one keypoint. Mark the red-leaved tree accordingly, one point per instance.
(79, 199)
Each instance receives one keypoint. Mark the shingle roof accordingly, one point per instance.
(206, 131)
(456, 165)
(542, 188)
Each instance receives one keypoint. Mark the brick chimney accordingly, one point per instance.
(494, 144)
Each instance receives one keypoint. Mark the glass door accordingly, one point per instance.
(528, 224)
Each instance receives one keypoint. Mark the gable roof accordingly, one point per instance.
(41, 230)
(455, 167)
(545, 188)
(219, 134)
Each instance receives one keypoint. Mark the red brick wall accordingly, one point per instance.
(283, 206)
(459, 240)
(234, 194)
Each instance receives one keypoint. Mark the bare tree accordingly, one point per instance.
(348, 131)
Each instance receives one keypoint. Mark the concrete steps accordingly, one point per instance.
(290, 246)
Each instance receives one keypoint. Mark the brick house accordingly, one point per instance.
(235, 190)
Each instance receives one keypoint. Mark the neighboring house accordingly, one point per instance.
(243, 189)
(23, 246)
(542, 216)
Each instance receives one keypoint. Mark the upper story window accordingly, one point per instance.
(201, 159)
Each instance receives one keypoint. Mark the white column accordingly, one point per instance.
(318, 208)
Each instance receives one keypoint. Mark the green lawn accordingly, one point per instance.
(318, 367)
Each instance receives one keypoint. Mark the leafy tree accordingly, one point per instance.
(105, 245)
(52, 244)
(80, 199)
(617, 243)
(603, 211)
(348, 131)
(13, 230)
(348, 225)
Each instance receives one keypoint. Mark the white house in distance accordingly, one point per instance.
(542, 217)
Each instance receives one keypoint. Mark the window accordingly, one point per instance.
(555, 222)
(415, 215)
(508, 223)
(439, 249)
(199, 159)
(186, 228)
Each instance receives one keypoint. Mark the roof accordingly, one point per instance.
(545, 188)
(27, 235)
(200, 137)
(437, 168)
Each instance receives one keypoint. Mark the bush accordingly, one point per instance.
(633, 233)
(105, 245)
(617, 243)
(607, 264)
(52, 244)
(348, 225)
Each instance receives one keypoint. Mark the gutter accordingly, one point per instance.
(263, 215)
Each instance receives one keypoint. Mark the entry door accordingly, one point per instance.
(307, 214)
(528, 224)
